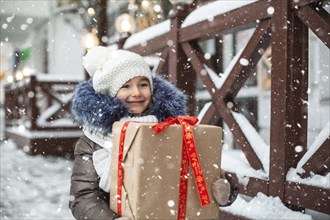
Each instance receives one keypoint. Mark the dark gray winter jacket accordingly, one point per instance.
(98, 112)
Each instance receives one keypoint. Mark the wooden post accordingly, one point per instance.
(102, 21)
(298, 85)
(288, 95)
(122, 40)
(9, 104)
(218, 56)
(101, 25)
(33, 103)
(180, 71)
(279, 93)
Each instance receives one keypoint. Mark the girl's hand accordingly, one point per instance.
(221, 191)
(225, 190)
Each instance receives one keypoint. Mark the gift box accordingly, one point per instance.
(148, 182)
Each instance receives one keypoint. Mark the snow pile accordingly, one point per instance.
(56, 77)
(147, 34)
(33, 187)
(234, 161)
(313, 180)
(319, 140)
(209, 11)
(263, 207)
(258, 145)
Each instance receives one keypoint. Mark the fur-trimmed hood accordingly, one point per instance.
(98, 112)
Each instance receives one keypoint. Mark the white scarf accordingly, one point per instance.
(102, 157)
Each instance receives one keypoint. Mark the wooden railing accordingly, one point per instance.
(37, 114)
(283, 26)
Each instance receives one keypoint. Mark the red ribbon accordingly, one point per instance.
(189, 156)
(120, 167)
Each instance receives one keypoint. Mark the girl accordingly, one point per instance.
(121, 88)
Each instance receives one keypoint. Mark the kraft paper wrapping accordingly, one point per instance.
(152, 171)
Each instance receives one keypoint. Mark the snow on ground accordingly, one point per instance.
(263, 207)
(33, 187)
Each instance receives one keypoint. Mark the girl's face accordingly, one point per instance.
(136, 94)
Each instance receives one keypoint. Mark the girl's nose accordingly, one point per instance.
(136, 91)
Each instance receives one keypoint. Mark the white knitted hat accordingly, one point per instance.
(111, 69)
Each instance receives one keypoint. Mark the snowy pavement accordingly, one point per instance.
(33, 187)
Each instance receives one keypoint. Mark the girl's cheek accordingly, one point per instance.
(119, 97)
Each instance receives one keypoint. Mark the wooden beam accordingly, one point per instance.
(307, 196)
(319, 162)
(301, 3)
(297, 91)
(211, 117)
(259, 41)
(254, 186)
(318, 21)
(162, 67)
(229, 216)
(151, 46)
(240, 138)
(229, 22)
(196, 58)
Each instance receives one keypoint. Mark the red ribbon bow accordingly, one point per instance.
(161, 126)
(189, 156)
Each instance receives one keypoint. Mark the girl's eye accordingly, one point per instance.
(125, 86)
(144, 84)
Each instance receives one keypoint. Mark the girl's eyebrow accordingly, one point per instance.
(144, 80)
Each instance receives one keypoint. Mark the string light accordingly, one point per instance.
(91, 11)
(27, 71)
(19, 75)
(142, 14)
(90, 40)
(125, 24)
